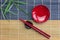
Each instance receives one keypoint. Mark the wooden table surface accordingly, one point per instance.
(15, 30)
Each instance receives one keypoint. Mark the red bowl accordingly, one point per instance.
(40, 13)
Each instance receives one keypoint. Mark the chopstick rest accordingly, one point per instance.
(36, 29)
(27, 26)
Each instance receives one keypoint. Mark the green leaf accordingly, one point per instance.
(21, 9)
(20, 2)
(7, 8)
(2, 13)
(9, 5)
(4, 3)
(12, 13)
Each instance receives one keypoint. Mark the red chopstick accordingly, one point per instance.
(36, 29)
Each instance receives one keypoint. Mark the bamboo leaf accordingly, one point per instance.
(2, 13)
(20, 2)
(4, 3)
(12, 13)
(21, 9)
(9, 4)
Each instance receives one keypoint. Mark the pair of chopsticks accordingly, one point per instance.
(36, 29)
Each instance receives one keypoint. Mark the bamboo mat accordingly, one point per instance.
(15, 30)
